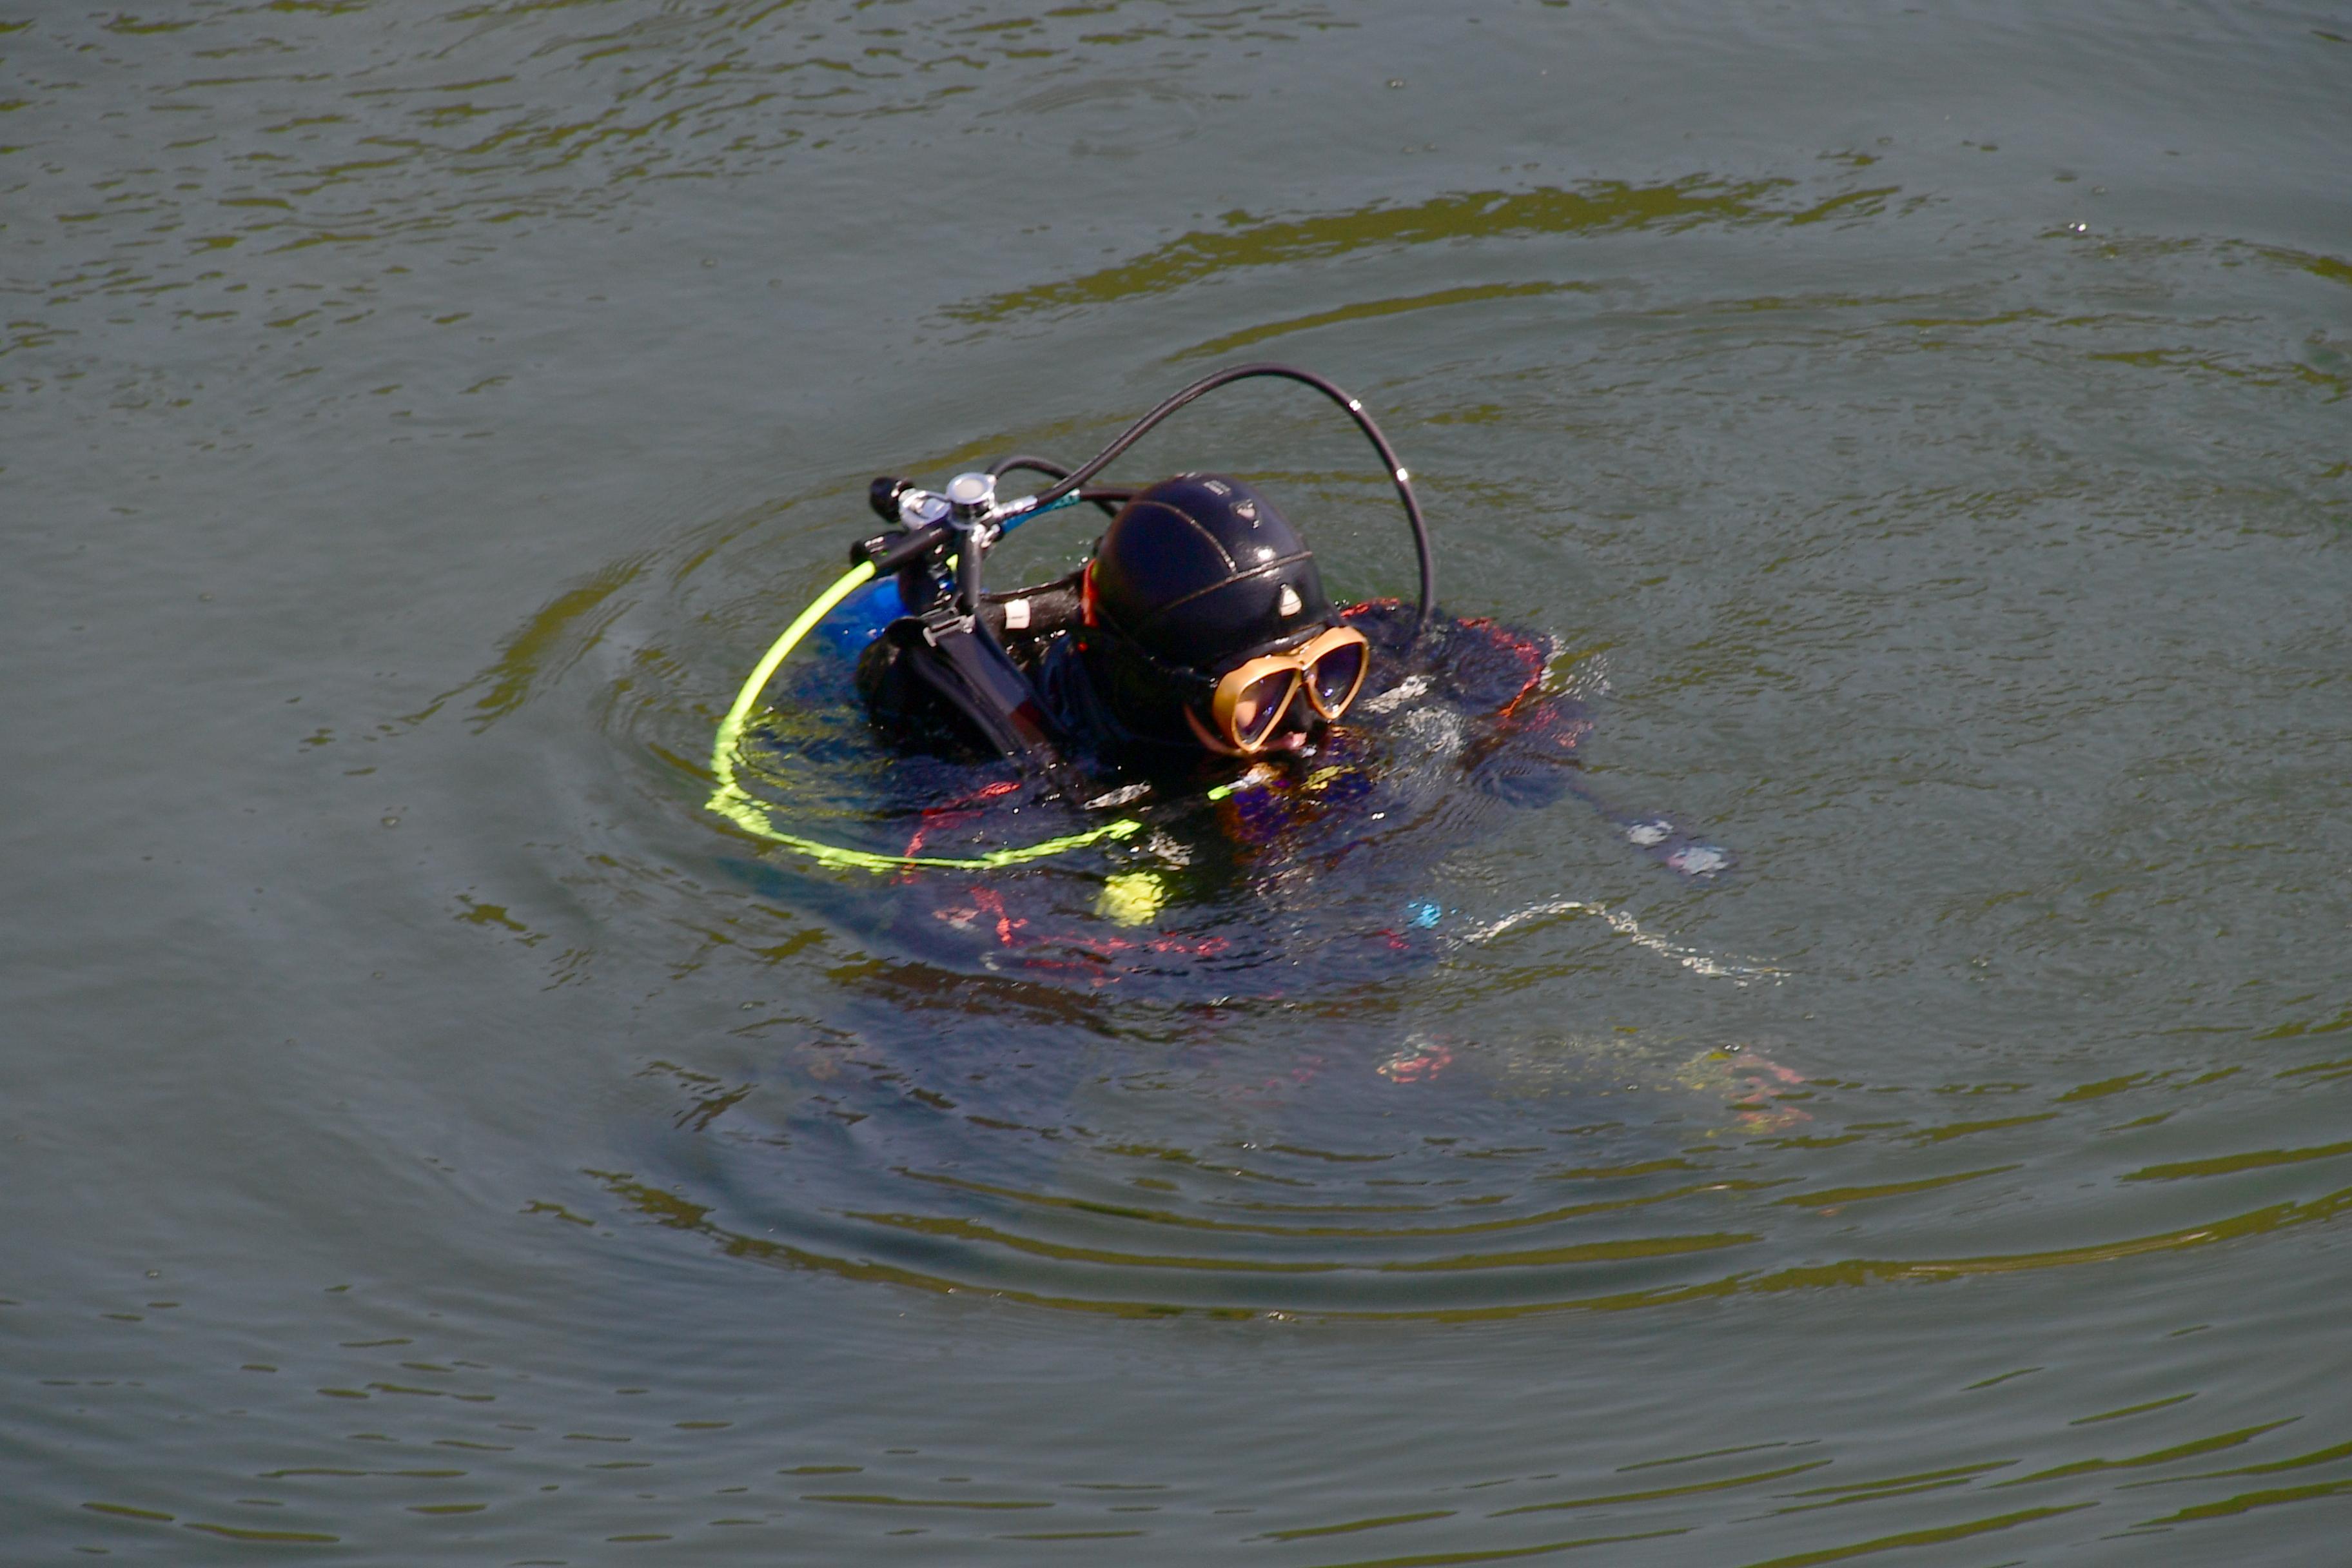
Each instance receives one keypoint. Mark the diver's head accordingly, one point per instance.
(1207, 623)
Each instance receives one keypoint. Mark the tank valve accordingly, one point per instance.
(970, 497)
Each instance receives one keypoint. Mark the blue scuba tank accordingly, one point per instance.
(859, 619)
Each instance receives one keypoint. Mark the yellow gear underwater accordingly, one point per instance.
(1131, 897)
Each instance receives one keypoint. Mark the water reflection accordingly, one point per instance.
(1216, 1174)
(1604, 206)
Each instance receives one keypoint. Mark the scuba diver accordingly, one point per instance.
(1193, 659)
(1199, 629)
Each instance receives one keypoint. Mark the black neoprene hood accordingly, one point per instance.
(1203, 572)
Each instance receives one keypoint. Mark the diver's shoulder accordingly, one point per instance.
(1476, 662)
(1393, 620)
(1393, 627)
(1387, 624)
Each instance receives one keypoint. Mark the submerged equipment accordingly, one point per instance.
(936, 561)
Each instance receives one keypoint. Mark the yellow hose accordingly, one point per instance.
(729, 801)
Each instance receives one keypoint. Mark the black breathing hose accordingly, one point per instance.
(1066, 483)
(1023, 461)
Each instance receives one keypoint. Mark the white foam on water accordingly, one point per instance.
(1738, 972)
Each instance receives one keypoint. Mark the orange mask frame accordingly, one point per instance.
(1248, 712)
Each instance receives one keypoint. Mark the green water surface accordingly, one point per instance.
(431, 1137)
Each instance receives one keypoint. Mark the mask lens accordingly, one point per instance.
(1260, 706)
(1335, 677)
